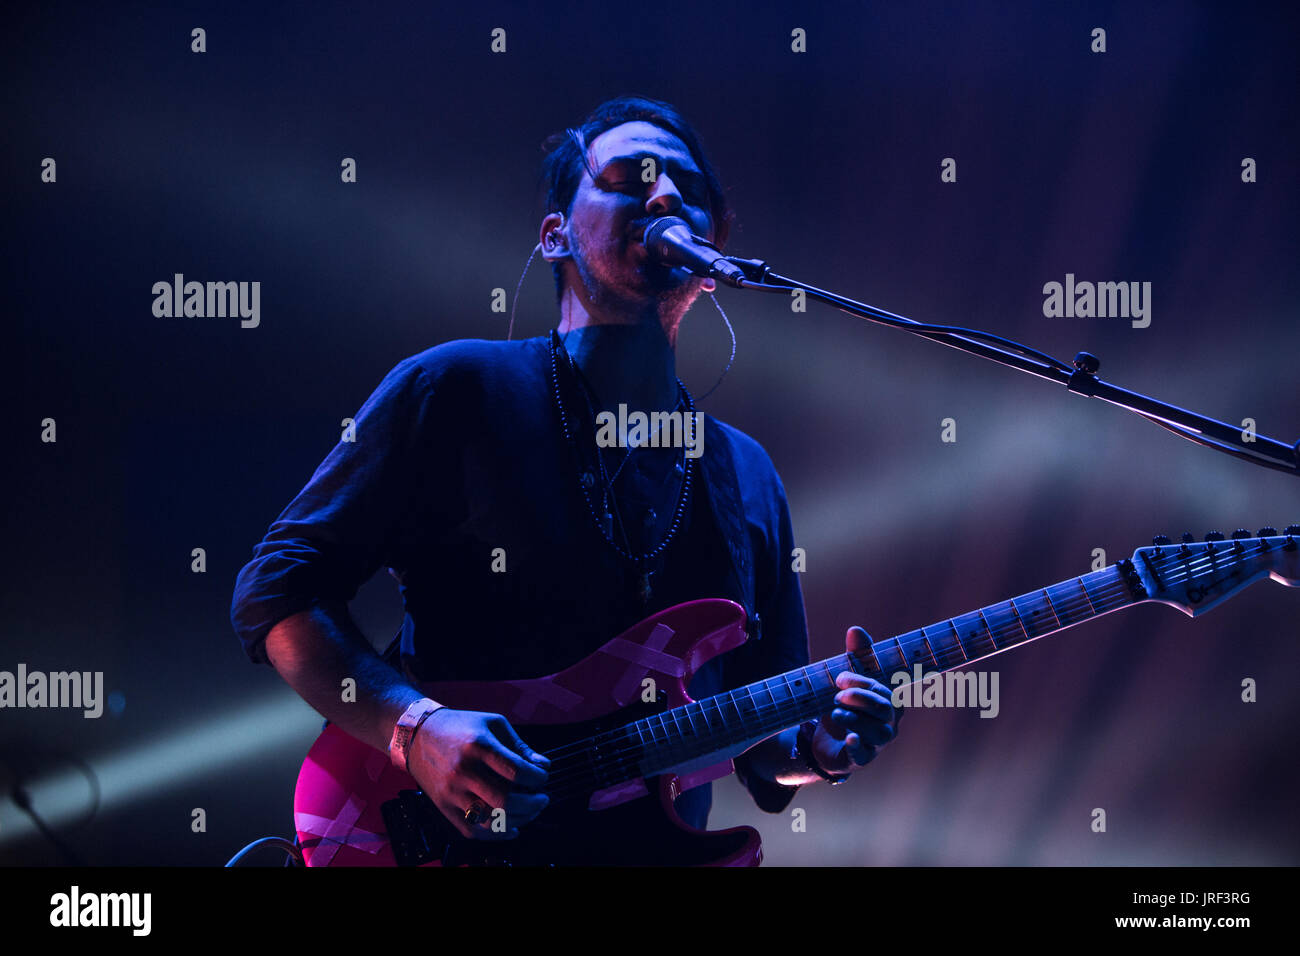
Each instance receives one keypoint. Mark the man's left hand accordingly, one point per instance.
(863, 719)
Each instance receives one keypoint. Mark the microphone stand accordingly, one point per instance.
(1080, 378)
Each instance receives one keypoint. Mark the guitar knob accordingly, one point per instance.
(1293, 529)
(1214, 536)
(1188, 537)
(1160, 539)
(1241, 533)
(1267, 531)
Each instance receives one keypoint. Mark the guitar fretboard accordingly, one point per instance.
(724, 722)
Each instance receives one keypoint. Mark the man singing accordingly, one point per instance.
(521, 543)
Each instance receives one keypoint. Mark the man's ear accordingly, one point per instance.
(555, 238)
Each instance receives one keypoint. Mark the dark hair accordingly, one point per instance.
(566, 158)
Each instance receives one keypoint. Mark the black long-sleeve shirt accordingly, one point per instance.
(460, 452)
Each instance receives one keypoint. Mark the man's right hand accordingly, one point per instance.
(463, 757)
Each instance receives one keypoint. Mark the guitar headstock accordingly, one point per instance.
(1194, 576)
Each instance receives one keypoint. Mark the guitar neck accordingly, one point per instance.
(725, 721)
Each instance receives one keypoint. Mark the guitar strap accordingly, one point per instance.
(728, 508)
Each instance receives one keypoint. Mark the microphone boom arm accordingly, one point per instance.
(1079, 378)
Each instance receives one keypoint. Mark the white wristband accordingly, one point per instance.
(399, 748)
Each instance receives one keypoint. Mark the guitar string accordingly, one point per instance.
(619, 761)
(562, 782)
(1105, 593)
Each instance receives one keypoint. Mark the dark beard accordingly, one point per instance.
(659, 282)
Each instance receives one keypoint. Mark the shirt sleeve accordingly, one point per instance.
(344, 524)
(779, 602)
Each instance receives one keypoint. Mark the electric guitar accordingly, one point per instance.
(618, 760)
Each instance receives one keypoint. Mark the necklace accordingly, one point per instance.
(586, 481)
(608, 494)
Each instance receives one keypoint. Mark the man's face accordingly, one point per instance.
(642, 172)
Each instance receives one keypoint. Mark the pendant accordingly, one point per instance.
(607, 524)
(645, 587)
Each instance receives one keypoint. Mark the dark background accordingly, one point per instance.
(182, 433)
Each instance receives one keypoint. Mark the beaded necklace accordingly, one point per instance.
(587, 481)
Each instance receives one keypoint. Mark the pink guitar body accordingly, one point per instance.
(344, 785)
(618, 763)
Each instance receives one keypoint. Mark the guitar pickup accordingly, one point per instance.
(415, 828)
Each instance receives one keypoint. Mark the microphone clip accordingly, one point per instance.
(756, 270)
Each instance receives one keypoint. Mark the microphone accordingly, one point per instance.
(669, 240)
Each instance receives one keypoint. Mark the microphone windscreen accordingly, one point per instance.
(655, 231)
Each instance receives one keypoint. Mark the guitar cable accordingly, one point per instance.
(294, 857)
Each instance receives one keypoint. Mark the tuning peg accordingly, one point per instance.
(1267, 531)
(1160, 539)
(1214, 536)
(1188, 537)
(1293, 529)
(1241, 533)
